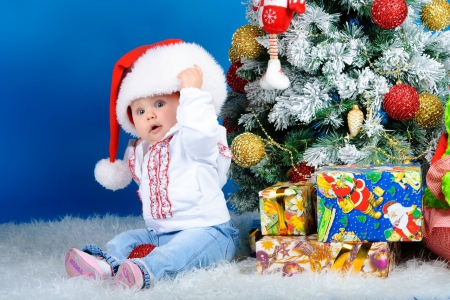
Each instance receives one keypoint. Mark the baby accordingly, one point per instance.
(167, 94)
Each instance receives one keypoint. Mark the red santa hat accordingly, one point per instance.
(147, 71)
(390, 205)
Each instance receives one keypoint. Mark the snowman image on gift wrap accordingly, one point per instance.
(406, 222)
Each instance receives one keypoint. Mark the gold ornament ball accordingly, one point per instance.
(232, 55)
(436, 15)
(244, 43)
(248, 149)
(430, 112)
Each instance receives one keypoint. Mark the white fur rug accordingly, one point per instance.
(32, 267)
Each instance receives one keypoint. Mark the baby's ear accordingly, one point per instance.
(130, 114)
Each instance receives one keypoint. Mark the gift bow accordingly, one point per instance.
(345, 252)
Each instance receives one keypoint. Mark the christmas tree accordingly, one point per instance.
(355, 82)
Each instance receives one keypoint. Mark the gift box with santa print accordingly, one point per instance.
(290, 255)
(287, 209)
(372, 203)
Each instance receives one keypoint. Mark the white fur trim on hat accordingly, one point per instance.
(155, 73)
(112, 175)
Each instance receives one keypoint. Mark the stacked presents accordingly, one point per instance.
(361, 214)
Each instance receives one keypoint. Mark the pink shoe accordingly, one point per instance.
(130, 275)
(79, 263)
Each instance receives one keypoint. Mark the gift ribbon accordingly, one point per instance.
(345, 252)
(279, 198)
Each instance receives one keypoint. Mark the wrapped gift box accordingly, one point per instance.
(373, 203)
(254, 235)
(287, 209)
(289, 255)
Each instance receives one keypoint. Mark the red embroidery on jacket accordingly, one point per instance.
(158, 167)
(224, 150)
(132, 165)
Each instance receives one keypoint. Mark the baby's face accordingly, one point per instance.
(154, 116)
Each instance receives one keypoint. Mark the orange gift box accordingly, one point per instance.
(287, 209)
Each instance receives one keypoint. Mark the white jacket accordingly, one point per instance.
(181, 177)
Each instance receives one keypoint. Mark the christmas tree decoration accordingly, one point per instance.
(141, 251)
(301, 172)
(233, 56)
(401, 102)
(436, 15)
(244, 43)
(248, 149)
(230, 128)
(335, 56)
(355, 118)
(430, 112)
(274, 18)
(236, 83)
(389, 14)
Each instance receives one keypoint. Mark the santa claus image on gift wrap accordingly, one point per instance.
(350, 192)
(406, 222)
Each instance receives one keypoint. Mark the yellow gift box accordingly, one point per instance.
(290, 255)
(287, 209)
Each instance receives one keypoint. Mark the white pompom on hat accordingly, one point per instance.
(147, 71)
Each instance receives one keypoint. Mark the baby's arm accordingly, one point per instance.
(196, 116)
(191, 77)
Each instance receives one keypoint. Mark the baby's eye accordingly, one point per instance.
(159, 104)
(140, 112)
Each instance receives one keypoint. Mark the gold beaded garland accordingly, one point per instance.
(248, 149)
(244, 43)
(430, 112)
(436, 15)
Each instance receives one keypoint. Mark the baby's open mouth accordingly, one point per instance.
(154, 127)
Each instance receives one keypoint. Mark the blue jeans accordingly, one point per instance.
(175, 252)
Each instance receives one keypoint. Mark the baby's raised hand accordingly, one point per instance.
(191, 77)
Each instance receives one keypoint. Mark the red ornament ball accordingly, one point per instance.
(236, 83)
(141, 251)
(303, 173)
(401, 102)
(230, 128)
(389, 14)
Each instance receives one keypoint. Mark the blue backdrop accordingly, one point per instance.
(56, 63)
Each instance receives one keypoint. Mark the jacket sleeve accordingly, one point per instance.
(129, 151)
(200, 133)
